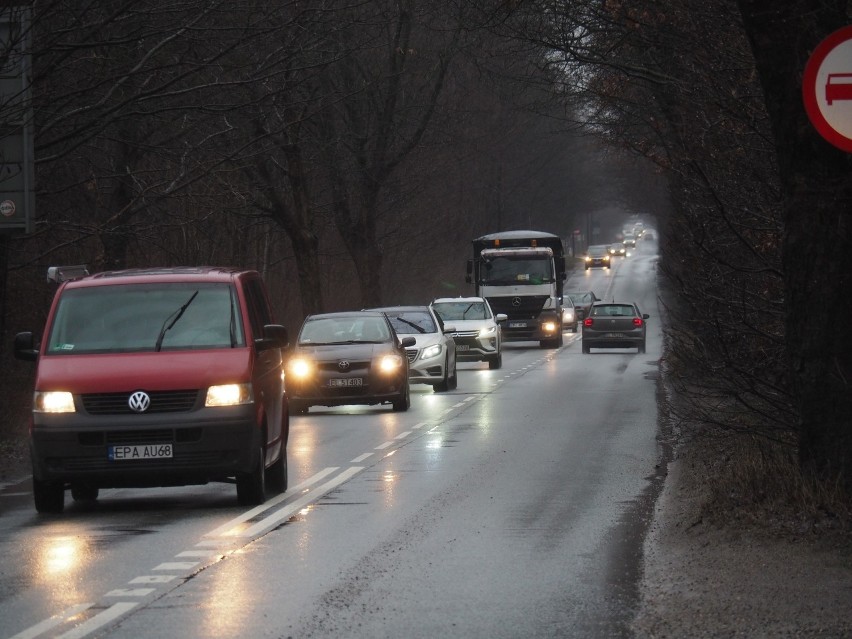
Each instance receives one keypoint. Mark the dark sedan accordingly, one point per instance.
(348, 358)
(614, 325)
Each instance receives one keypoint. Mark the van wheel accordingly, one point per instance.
(403, 402)
(49, 496)
(587, 348)
(276, 475)
(84, 492)
(251, 486)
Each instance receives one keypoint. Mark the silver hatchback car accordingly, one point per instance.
(478, 335)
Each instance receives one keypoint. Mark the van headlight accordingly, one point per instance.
(229, 395)
(53, 402)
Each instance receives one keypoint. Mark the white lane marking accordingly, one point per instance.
(272, 502)
(100, 619)
(176, 565)
(361, 458)
(153, 579)
(2, 486)
(130, 592)
(383, 446)
(52, 622)
(403, 435)
(420, 425)
(205, 554)
(285, 513)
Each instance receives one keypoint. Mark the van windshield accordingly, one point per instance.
(131, 318)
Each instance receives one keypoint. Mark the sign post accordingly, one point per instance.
(827, 88)
(16, 137)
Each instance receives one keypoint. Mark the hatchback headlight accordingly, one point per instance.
(53, 402)
(229, 395)
(389, 363)
(431, 351)
(300, 368)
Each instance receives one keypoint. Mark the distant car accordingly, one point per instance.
(597, 256)
(616, 250)
(432, 358)
(648, 235)
(348, 358)
(569, 315)
(614, 325)
(478, 335)
(629, 241)
(582, 301)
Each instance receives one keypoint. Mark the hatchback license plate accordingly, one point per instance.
(346, 381)
(141, 451)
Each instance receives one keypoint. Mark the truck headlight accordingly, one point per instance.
(229, 395)
(53, 402)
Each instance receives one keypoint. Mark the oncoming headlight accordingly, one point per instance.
(53, 402)
(549, 327)
(431, 351)
(488, 330)
(300, 368)
(229, 395)
(389, 363)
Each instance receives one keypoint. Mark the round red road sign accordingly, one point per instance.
(827, 88)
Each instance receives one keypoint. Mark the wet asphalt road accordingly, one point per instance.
(514, 506)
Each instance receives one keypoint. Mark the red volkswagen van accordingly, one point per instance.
(157, 377)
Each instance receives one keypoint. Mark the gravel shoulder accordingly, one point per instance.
(737, 580)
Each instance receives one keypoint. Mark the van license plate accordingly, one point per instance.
(346, 381)
(615, 335)
(141, 451)
(517, 324)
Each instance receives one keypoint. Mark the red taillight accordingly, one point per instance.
(637, 322)
(587, 321)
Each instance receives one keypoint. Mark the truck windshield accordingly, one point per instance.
(131, 318)
(516, 270)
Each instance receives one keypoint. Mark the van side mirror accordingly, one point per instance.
(468, 273)
(25, 347)
(274, 336)
(407, 341)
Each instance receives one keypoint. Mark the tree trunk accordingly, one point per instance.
(817, 248)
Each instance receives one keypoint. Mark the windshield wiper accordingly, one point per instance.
(168, 325)
(418, 328)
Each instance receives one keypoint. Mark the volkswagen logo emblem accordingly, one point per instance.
(139, 402)
(516, 301)
(343, 364)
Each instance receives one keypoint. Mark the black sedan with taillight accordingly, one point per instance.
(614, 325)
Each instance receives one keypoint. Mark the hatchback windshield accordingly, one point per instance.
(344, 330)
(145, 317)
